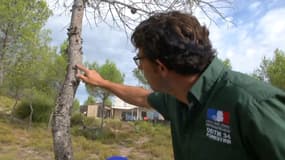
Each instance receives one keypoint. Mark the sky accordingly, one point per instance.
(255, 28)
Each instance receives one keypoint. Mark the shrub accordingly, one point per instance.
(113, 123)
(143, 127)
(105, 135)
(91, 122)
(76, 119)
(42, 108)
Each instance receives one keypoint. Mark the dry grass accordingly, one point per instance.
(138, 141)
(6, 104)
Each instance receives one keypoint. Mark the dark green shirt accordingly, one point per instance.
(232, 117)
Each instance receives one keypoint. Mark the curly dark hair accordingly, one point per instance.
(177, 40)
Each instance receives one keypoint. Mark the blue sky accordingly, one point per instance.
(258, 28)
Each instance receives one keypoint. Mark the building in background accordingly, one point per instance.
(121, 110)
(95, 110)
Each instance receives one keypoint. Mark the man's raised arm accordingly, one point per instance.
(133, 95)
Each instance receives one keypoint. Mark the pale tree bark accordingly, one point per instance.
(31, 116)
(102, 113)
(61, 117)
(3, 49)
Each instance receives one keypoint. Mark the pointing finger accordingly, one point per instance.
(82, 77)
(81, 67)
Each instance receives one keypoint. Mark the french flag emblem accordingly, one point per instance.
(218, 116)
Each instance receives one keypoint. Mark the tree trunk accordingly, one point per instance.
(50, 120)
(2, 54)
(14, 108)
(102, 114)
(62, 113)
(31, 116)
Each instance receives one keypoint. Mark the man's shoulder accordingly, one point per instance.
(164, 103)
(243, 84)
(160, 96)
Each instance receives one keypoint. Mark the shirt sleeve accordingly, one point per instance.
(158, 101)
(263, 127)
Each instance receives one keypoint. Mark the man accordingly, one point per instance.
(215, 113)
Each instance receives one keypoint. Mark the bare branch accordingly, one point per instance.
(143, 8)
(87, 18)
(213, 8)
(113, 16)
(113, 2)
(122, 20)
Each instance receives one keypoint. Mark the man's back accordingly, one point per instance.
(231, 117)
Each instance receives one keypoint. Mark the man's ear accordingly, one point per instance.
(163, 70)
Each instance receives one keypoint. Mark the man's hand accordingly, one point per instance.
(90, 76)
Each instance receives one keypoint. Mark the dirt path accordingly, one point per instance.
(126, 151)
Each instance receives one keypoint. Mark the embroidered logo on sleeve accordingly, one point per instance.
(218, 125)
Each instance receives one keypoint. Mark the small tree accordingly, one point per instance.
(272, 70)
(227, 63)
(108, 71)
(21, 23)
(34, 74)
(261, 72)
(63, 108)
(276, 69)
(90, 100)
(75, 106)
(140, 77)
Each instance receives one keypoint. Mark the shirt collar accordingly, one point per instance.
(199, 92)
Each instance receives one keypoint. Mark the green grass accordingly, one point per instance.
(135, 140)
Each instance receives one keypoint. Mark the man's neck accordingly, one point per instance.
(180, 86)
